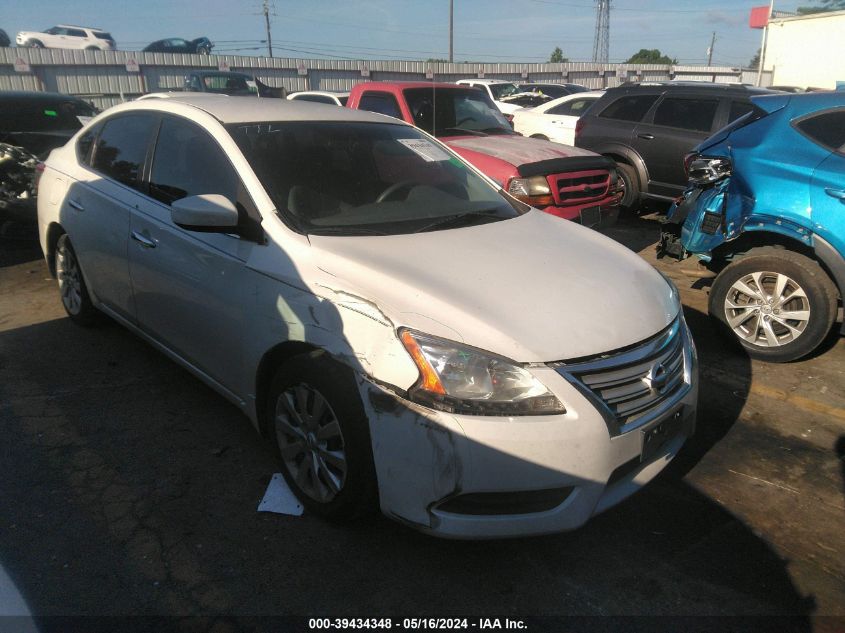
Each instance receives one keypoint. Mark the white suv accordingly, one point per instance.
(499, 91)
(407, 334)
(67, 36)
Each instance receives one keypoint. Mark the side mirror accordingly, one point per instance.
(209, 212)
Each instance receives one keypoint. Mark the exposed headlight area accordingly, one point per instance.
(703, 170)
(535, 190)
(460, 379)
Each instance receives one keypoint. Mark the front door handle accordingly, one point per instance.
(143, 240)
(647, 137)
(73, 204)
(839, 194)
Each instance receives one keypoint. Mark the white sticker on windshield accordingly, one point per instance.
(83, 120)
(428, 150)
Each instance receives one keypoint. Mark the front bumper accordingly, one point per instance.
(463, 476)
(600, 214)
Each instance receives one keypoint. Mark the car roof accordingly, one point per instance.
(488, 81)
(74, 26)
(217, 73)
(31, 95)
(687, 86)
(228, 109)
(805, 102)
(402, 85)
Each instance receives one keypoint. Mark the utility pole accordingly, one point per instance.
(765, 41)
(266, 12)
(451, 29)
(710, 50)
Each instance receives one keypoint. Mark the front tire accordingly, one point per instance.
(779, 305)
(319, 427)
(72, 289)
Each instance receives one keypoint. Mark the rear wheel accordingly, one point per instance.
(779, 305)
(322, 435)
(72, 289)
(34, 44)
(631, 198)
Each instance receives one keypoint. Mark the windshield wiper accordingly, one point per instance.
(344, 230)
(455, 221)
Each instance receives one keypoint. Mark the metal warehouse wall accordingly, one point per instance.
(102, 76)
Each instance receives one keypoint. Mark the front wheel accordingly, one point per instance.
(318, 422)
(779, 305)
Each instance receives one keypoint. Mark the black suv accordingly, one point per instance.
(648, 128)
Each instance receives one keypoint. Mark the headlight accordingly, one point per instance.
(534, 190)
(703, 170)
(461, 379)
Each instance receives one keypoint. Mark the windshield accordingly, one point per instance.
(42, 115)
(500, 91)
(449, 111)
(349, 178)
(228, 84)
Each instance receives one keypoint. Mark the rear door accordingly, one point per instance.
(191, 288)
(675, 125)
(614, 124)
(827, 187)
(97, 206)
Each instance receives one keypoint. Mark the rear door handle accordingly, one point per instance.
(836, 193)
(73, 204)
(143, 240)
(647, 137)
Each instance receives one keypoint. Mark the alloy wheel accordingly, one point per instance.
(311, 442)
(70, 279)
(767, 309)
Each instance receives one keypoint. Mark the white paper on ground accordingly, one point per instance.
(279, 498)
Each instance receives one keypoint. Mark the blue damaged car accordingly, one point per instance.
(765, 214)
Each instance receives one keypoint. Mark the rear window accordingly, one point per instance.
(688, 114)
(40, 115)
(632, 108)
(827, 129)
(380, 102)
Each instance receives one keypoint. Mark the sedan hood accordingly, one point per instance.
(517, 150)
(533, 289)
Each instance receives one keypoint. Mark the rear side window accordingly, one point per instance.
(827, 129)
(188, 162)
(85, 145)
(687, 114)
(381, 102)
(632, 108)
(103, 36)
(740, 108)
(76, 33)
(576, 107)
(121, 148)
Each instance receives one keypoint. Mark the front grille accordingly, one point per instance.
(581, 187)
(635, 382)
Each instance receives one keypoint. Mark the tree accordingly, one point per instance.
(826, 5)
(650, 56)
(755, 61)
(557, 56)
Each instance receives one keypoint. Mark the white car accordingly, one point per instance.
(407, 335)
(555, 120)
(67, 36)
(503, 93)
(320, 96)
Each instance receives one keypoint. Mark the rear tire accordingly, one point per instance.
(321, 433)
(34, 44)
(631, 199)
(72, 289)
(754, 297)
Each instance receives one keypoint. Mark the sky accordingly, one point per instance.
(484, 30)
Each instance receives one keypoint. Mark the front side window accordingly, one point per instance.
(188, 162)
(447, 112)
(687, 114)
(121, 148)
(55, 30)
(632, 108)
(350, 178)
(827, 129)
(380, 102)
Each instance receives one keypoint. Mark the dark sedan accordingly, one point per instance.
(199, 46)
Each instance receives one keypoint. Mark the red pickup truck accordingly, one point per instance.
(565, 181)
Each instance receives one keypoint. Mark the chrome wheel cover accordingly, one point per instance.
(311, 442)
(70, 279)
(767, 309)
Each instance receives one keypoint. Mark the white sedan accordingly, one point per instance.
(555, 120)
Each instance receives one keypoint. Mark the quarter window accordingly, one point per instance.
(121, 148)
(188, 162)
(381, 102)
(826, 129)
(631, 108)
(687, 114)
(85, 144)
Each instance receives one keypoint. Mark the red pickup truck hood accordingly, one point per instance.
(516, 150)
